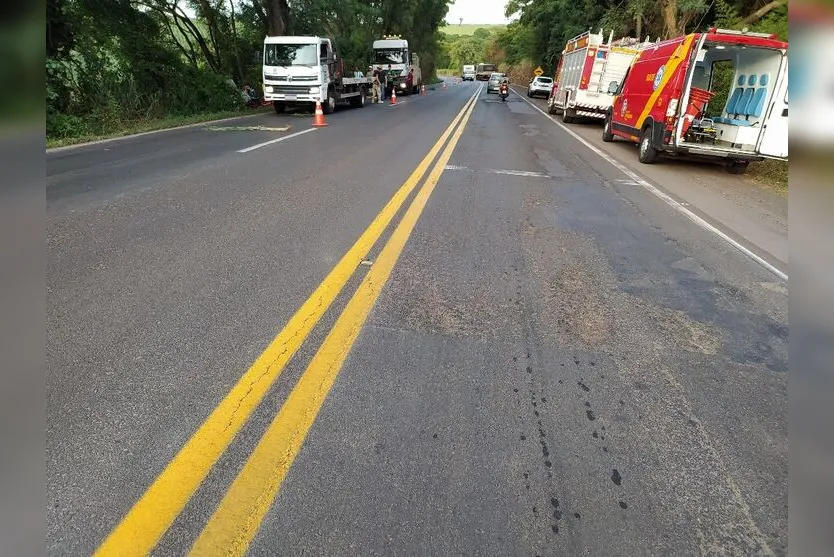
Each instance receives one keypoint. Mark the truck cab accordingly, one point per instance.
(304, 70)
(483, 71)
(393, 51)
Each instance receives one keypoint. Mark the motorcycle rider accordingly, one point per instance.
(504, 87)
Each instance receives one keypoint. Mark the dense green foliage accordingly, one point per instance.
(540, 28)
(111, 63)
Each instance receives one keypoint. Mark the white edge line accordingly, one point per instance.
(152, 132)
(667, 198)
(271, 141)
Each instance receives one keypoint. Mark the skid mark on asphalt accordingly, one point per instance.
(638, 336)
(547, 524)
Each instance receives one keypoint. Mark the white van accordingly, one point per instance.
(468, 73)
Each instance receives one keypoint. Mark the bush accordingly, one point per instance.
(202, 91)
(63, 126)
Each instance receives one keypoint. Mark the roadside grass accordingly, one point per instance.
(151, 125)
(770, 173)
(470, 28)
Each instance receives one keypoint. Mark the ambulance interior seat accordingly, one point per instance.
(745, 102)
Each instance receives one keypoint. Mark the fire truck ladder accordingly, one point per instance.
(595, 80)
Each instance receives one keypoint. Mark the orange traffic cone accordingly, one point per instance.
(318, 119)
(393, 96)
(422, 89)
(444, 85)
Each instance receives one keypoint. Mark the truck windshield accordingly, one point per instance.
(389, 56)
(486, 68)
(290, 55)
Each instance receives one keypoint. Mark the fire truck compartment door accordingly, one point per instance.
(773, 141)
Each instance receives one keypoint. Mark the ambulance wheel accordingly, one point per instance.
(568, 116)
(646, 153)
(738, 167)
(279, 107)
(607, 134)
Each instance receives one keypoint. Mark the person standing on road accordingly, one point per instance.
(389, 79)
(383, 79)
(375, 87)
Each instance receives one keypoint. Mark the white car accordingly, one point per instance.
(540, 86)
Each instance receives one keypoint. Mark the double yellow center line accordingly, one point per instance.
(238, 517)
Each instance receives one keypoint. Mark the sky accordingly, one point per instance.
(477, 11)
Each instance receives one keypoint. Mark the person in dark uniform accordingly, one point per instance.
(383, 82)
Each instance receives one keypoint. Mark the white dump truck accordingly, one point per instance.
(306, 70)
(393, 51)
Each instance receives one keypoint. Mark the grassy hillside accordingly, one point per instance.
(469, 28)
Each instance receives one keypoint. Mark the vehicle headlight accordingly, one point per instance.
(268, 88)
(402, 85)
(315, 90)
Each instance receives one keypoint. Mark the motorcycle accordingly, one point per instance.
(503, 92)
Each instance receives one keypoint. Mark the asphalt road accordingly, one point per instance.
(526, 352)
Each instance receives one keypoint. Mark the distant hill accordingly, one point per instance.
(469, 28)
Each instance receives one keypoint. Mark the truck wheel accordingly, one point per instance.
(551, 106)
(646, 153)
(279, 107)
(358, 102)
(329, 103)
(568, 115)
(738, 167)
(607, 134)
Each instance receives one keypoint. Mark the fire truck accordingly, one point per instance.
(672, 99)
(588, 70)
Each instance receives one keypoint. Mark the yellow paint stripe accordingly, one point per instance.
(146, 522)
(671, 66)
(238, 518)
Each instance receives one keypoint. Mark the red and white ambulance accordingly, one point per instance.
(665, 101)
(586, 68)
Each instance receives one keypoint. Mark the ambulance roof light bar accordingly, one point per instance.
(744, 32)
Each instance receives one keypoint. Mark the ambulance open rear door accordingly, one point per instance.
(773, 141)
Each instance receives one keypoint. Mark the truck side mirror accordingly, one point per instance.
(613, 87)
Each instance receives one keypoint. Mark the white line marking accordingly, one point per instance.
(271, 141)
(667, 198)
(525, 173)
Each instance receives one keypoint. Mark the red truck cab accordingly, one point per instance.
(666, 104)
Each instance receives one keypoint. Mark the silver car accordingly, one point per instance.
(540, 86)
(495, 81)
